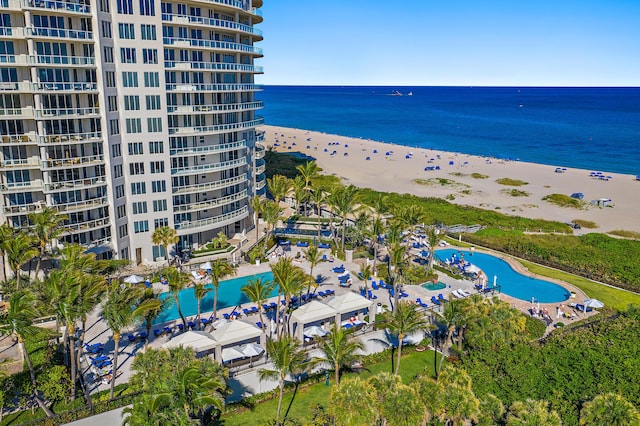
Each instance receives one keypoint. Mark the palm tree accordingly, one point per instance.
(287, 358)
(164, 236)
(18, 251)
(532, 413)
(219, 269)
(432, 238)
(148, 308)
(350, 402)
(200, 291)
(118, 312)
(290, 279)
(308, 171)
(491, 410)
(278, 187)
(344, 199)
(317, 197)
(178, 281)
(609, 409)
(366, 272)
(147, 411)
(258, 291)
(197, 391)
(46, 227)
(376, 229)
(314, 258)
(271, 214)
(403, 321)
(300, 193)
(340, 349)
(452, 317)
(460, 403)
(257, 204)
(17, 321)
(397, 265)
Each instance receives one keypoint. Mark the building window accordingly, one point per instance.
(130, 79)
(154, 125)
(157, 223)
(147, 7)
(138, 188)
(124, 253)
(114, 126)
(150, 56)
(125, 7)
(134, 125)
(159, 205)
(148, 32)
(108, 54)
(110, 78)
(141, 226)
(106, 29)
(117, 171)
(104, 6)
(113, 103)
(159, 186)
(136, 168)
(128, 55)
(156, 147)
(135, 148)
(119, 191)
(132, 103)
(126, 31)
(153, 102)
(140, 207)
(157, 167)
(151, 79)
(123, 231)
(121, 211)
(115, 150)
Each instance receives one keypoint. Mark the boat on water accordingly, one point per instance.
(395, 93)
(410, 94)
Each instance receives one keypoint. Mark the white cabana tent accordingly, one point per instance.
(350, 302)
(205, 266)
(308, 313)
(133, 279)
(200, 341)
(233, 333)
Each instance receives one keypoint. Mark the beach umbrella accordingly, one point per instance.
(252, 349)
(133, 279)
(206, 266)
(314, 331)
(592, 303)
(229, 354)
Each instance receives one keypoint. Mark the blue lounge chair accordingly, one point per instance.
(324, 245)
(441, 298)
(158, 333)
(99, 358)
(254, 309)
(246, 311)
(322, 293)
(421, 303)
(273, 305)
(180, 327)
(226, 316)
(330, 292)
(131, 337)
(266, 306)
(383, 284)
(363, 292)
(191, 324)
(435, 301)
(371, 295)
(374, 285)
(167, 330)
(205, 321)
(142, 335)
(259, 324)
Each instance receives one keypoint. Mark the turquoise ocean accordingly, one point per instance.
(597, 129)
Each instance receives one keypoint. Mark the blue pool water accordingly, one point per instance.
(513, 283)
(229, 295)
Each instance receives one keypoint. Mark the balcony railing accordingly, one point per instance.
(212, 167)
(67, 112)
(92, 160)
(85, 226)
(66, 87)
(184, 131)
(33, 185)
(260, 169)
(18, 32)
(211, 44)
(62, 60)
(58, 6)
(23, 208)
(192, 109)
(211, 149)
(71, 185)
(21, 163)
(217, 221)
(225, 87)
(260, 151)
(82, 205)
(215, 66)
(24, 112)
(210, 22)
(71, 138)
(260, 184)
(205, 205)
(59, 33)
(27, 138)
(212, 186)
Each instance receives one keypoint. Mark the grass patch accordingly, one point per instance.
(421, 182)
(440, 182)
(588, 224)
(562, 200)
(515, 192)
(479, 176)
(511, 182)
(457, 174)
(622, 233)
(610, 296)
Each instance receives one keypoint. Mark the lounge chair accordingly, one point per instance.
(322, 293)
(441, 298)
(246, 311)
(226, 316)
(330, 292)
(371, 295)
(158, 333)
(168, 330)
(324, 245)
(191, 324)
(131, 337)
(435, 301)
(374, 285)
(456, 294)
(382, 284)
(421, 303)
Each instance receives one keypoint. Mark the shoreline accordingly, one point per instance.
(466, 179)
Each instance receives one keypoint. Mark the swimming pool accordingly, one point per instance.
(229, 295)
(513, 283)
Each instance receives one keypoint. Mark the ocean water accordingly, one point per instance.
(589, 128)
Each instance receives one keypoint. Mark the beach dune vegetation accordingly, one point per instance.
(511, 182)
(562, 200)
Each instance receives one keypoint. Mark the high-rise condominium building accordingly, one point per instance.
(128, 115)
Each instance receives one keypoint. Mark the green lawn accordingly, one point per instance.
(307, 397)
(613, 297)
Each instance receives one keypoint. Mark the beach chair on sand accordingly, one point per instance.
(435, 301)
(374, 285)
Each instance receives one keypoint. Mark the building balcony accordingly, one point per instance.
(59, 33)
(82, 205)
(23, 113)
(260, 168)
(72, 162)
(214, 222)
(211, 23)
(59, 6)
(214, 66)
(212, 130)
(211, 44)
(71, 185)
(211, 149)
(12, 5)
(260, 151)
(22, 163)
(90, 225)
(65, 87)
(207, 168)
(225, 87)
(23, 208)
(24, 139)
(12, 32)
(52, 60)
(205, 205)
(18, 60)
(215, 109)
(34, 185)
(259, 137)
(212, 186)
(260, 184)
(70, 138)
(67, 113)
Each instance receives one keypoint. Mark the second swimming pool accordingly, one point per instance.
(511, 282)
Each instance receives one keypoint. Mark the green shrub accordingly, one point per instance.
(562, 200)
(511, 182)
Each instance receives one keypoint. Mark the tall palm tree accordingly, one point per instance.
(258, 291)
(344, 199)
(609, 409)
(452, 317)
(165, 236)
(46, 227)
(532, 413)
(287, 358)
(271, 214)
(290, 279)
(300, 193)
(200, 291)
(397, 266)
(148, 307)
(366, 272)
(460, 403)
(403, 321)
(197, 391)
(350, 402)
(18, 251)
(308, 171)
(377, 228)
(17, 321)
(432, 238)
(118, 312)
(314, 258)
(278, 187)
(257, 204)
(318, 197)
(219, 269)
(340, 349)
(178, 281)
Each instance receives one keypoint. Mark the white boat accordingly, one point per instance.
(410, 94)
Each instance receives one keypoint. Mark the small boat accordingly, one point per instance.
(410, 94)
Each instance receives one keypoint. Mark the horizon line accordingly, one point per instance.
(452, 85)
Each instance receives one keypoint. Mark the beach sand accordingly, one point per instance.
(397, 173)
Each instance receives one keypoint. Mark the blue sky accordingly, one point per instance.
(451, 42)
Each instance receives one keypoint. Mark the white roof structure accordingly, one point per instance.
(312, 311)
(198, 340)
(234, 332)
(349, 302)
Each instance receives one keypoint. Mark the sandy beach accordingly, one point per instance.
(395, 168)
